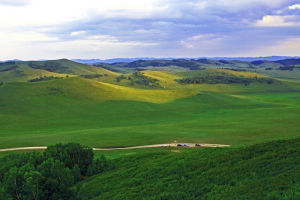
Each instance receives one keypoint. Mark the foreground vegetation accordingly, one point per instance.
(262, 171)
(48, 175)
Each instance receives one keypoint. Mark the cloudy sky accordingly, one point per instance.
(51, 29)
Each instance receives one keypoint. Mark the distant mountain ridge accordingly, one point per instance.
(118, 60)
(246, 59)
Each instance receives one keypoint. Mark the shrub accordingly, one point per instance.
(47, 175)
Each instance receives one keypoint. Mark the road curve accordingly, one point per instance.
(121, 148)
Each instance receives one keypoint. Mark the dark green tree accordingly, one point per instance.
(32, 184)
(57, 180)
(71, 154)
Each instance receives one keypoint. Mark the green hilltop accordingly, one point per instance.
(25, 71)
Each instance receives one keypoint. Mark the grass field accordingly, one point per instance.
(31, 118)
(102, 112)
(291, 75)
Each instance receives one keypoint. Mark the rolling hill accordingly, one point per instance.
(62, 101)
(25, 71)
(285, 69)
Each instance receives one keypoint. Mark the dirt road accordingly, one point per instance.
(23, 148)
(190, 145)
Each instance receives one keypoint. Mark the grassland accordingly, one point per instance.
(24, 71)
(104, 112)
(283, 69)
(34, 114)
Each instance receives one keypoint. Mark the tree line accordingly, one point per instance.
(44, 78)
(217, 79)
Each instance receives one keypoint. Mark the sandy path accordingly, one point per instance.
(109, 149)
(23, 148)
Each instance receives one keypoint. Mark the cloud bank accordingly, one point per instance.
(50, 29)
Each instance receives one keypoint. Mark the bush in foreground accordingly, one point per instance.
(48, 175)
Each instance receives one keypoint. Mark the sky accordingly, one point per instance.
(88, 29)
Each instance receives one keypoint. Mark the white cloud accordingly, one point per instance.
(67, 27)
(236, 5)
(77, 33)
(14, 2)
(102, 38)
(24, 45)
(295, 6)
(289, 46)
(202, 40)
(28, 37)
(146, 31)
(279, 21)
(32, 45)
(55, 12)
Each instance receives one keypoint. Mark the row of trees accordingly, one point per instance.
(138, 78)
(48, 175)
(215, 79)
(8, 68)
(91, 76)
(44, 78)
(51, 66)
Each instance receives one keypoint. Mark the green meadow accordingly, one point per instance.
(44, 113)
(47, 102)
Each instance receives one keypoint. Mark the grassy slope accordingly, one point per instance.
(105, 114)
(263, 171)
(168, 80)
(292, 75)
(85, 89)
(25, 73)
(63, 67)
(185, 65)
(82, 110)
(70, 67)
(164, 79)
(221, 72)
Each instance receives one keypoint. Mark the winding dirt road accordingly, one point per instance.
(190, 145)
